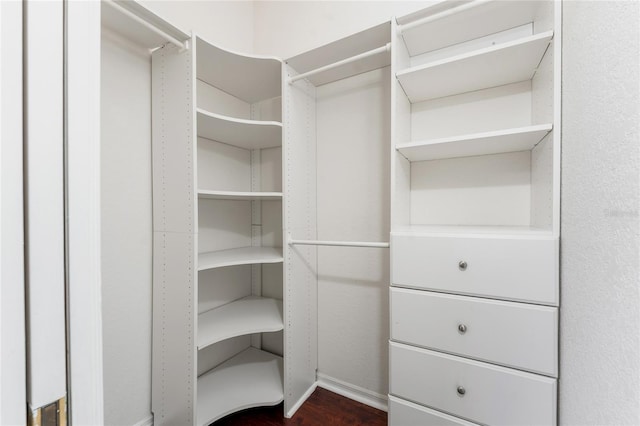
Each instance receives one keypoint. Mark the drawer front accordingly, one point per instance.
(473, 390)
(504, 268)
(512, 334)
(405, 413)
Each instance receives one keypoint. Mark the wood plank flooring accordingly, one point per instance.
(323, 408)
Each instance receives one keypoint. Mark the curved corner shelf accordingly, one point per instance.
(508, 140)
(245, 316)
(239, 256)
(253, 378)
(442, 28)
(250, 78)
(238, 195)
(248, 134)
(497, 65)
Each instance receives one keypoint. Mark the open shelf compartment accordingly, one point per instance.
(247, 134)
(244, 316)
(435, 28)
(508, 140)
(498, 65)
(239, 256)
(253, 378)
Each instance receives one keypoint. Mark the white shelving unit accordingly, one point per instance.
(218, 222)
(475, 211)
(250, 379)
(509, 140)
(245, 316)
(239, 256)
(498, 65)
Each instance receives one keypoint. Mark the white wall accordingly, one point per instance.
(286, 28)
(353, 186)
(228, 24)
(600, 301)
(126, 230)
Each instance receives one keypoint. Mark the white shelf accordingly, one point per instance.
(470, 231)
(238, 195)
(245, 316)
(344, 48)
(509, 140)
(443, 28)
(489, 67)
(248, 134)
(251, 78)
(239, 256)
(252, 378)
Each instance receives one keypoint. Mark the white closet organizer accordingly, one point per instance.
(475, 214)
(218, 304)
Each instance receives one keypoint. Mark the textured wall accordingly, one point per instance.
(600, 347)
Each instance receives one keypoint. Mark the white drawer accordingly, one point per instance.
(405, 413)
(492, 395)
(513, 334)
(504, 268)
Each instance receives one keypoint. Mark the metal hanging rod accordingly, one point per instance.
(443, 14)
(181, 45)
(337, 243)
(367, 54)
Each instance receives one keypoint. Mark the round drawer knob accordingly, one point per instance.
(461, 391)
(462, 265)
(462, 328)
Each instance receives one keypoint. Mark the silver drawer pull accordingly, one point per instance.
(462, 328)
(461, 391)
(462, 265)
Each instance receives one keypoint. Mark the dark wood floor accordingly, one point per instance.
(323, 408)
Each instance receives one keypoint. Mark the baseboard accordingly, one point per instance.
(365, 396)
(147, 421)
(301, 401)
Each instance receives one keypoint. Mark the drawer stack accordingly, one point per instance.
(475, 214)
(474, 330)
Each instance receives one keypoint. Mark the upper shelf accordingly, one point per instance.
(253, 378)
(489, 67)
(353, 45)
(250, 78)
(248, 134)
(239, 256)
(435, 28)
(509, 140)
(465, 231)
(238, 195)
(245, 316)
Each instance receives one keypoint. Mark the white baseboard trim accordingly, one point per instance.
(147, 421)
(301, 401)
(365, 396)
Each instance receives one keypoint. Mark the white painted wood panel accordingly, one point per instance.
(515, 335)
(249, 78)
(498, 65)
(405, 413)
(504, 268)
(481, 190)
(239, 195)
(44, 201)
(252, 378)
(247, 134)
(223, 167)
(492, 395)
(12, 298)
(499, 141)
(245, 316)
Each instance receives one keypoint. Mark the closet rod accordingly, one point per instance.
(337, 243)
(444, 14)
(181, 45)
(372, 52)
